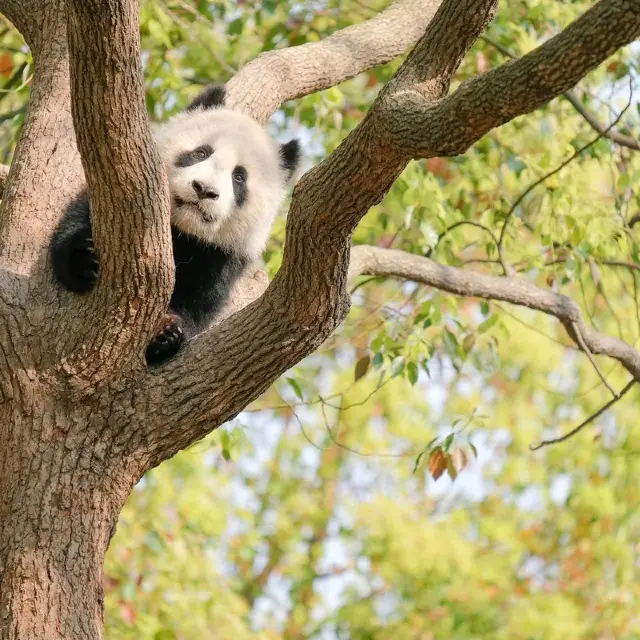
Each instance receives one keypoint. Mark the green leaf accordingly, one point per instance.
(397, 367)
(296, 387)
(235, 27)
(225, 441)
(448, 441)
(451, 468)
(488, 323)
(623, 181)
(412, 372)
(421, 454)
(468, 342)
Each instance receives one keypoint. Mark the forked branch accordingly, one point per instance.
(223, 370)
(411, 117)
(452, 125)
(285, 74)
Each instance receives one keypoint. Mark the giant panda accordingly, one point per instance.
(227, 179)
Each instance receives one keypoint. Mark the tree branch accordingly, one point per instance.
(46, 152)
(4, 172)
(224, 369)
(452, 125)
(574, 100)
(127, 187)
(602, 129)
(285, 74)
(589, 420)
(367, 260)
(221, 371)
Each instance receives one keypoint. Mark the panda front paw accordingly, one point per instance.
(84, 265)
(167, 341)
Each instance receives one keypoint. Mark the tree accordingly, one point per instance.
(82, 418)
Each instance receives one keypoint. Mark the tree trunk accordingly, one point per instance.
(60, 503)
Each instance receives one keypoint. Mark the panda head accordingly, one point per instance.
(227, 176)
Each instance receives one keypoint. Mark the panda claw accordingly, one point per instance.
(167, 341)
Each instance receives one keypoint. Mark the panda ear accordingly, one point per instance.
(290, 157)
(210, 98)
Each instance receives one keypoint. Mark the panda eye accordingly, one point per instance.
(240, 175)
(200, 154)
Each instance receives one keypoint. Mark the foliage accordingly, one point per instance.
(385, 486)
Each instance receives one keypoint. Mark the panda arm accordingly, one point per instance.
(203, 285)
(75, 263)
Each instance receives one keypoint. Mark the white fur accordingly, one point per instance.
(236, 139)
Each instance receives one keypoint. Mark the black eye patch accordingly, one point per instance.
(239, 179)
(189, 158)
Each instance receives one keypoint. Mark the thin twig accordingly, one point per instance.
(587, 351)
(589, 420)
(551, 173)
(508, 270)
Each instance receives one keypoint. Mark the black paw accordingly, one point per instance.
(83, 265)
(167, 341)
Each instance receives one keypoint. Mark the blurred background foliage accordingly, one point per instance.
(317, 512)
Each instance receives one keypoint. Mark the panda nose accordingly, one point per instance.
(203, 192)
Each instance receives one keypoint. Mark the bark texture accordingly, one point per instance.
(81, 418)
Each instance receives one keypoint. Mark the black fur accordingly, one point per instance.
(74, 259)
(204, 276)
(210, 98)
(240, 185)
(290, 156)
(189, 158)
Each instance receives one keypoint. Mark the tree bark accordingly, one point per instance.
(58, 510)
(81, 418)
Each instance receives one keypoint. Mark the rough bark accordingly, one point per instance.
(285, 74)
(81, 418)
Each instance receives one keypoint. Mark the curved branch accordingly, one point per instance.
(367, 260)
(589, 420)
(126, 181)
(517, 87)
(279, 75)
(46, 152)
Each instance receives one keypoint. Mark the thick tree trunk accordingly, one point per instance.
(60, 502)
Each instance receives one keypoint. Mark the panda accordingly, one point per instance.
(227, 179)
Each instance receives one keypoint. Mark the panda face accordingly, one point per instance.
(226, 178)
(207, 186)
